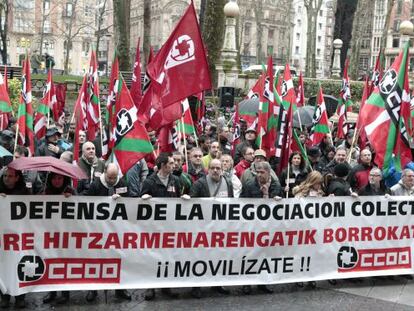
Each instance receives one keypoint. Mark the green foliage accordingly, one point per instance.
(333, 88)
(15, 87)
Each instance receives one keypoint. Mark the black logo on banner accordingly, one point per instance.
(347, 257)
(388, 82)
(284, 88)
(30, 268)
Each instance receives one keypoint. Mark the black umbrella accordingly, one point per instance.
(306, 116)
(331, 103)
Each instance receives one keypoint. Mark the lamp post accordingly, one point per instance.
(336, 66)
(406, 30)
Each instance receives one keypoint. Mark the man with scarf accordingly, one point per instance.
(109, 184)
(195, 166)
(91, 165)
(228, 171)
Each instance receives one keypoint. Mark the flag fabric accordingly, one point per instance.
(168, 140)
(285, 138)
(78, 116)
(266, 131)
(359, 126)
(47, 105)
(320, 125)
(385, 116)
(186, 124)
(377, 73)
(92, 103)
(300, 95)
(249, 115)
(5, 104)
(236, 130)
(131, 138)
(110, 108)
(136, 88)
(180, 68)
(344, 104)
(25, 111)
(60, 92)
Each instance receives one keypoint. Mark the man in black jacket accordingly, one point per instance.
(212, 185)
(161, 184)
(108, 184)
(262, 186)
(12, 183)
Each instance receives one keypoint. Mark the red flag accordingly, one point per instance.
(5, 105)
(60, 91)
(180, 68)
(110, 107)
(25, 113)
(136, 89)
(377, 74)
(344, 104)
(300, 96)
(92, 103)
(320, 120)
(359, 125)
(286, 139)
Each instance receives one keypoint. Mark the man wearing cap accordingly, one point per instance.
(314, 156)
(249, 141)
(250, 173)
(50, 147)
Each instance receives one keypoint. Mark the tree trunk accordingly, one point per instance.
(258, 14)
(122, 9)
(203, 4)
(4, 30)
(213, 35)
(147, 31)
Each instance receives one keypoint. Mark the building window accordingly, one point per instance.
(296, 50)
(321, 13)
(396, 42)
(319, 39)
(297, 36)
(69, 9)
(299, 23)
(299, 9)
(399, 6)
(247, 30)
(271, 34)
(46, 27)
(318, 52)
(46, 5)
(320, 26)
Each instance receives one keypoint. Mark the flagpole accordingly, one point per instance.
(48, 98)
(17, 136)
(352, 145)
(185, 140)
(288, 179)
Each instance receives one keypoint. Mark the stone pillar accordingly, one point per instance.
(336, 66)
(227, 67)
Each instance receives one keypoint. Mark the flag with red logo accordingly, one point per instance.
(25, 111)
(180, 68)
(377, 73)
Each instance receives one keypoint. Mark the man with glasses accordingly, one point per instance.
(244, 164)
(195, 166)
(406, 184)
(375, 186)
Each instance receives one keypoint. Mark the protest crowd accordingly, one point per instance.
(191, 156)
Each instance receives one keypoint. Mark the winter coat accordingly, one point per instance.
(400, 189)
(200, 188)
(359, 176)
(293, 180)
(251, 189)
(155, 188)
(99, 187)
(339, 187)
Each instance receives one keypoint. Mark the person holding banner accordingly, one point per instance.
(12, 183)
(161, 184)
(90, 164)
(215, 184)
(109, 184)
(375, 186)
(297, 173)
(58, 184)
(406, 185)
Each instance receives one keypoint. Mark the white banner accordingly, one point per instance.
(82, 243)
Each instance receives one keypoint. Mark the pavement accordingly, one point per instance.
(368, 294)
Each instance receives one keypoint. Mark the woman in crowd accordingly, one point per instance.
(58, 184)
(297, 173)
